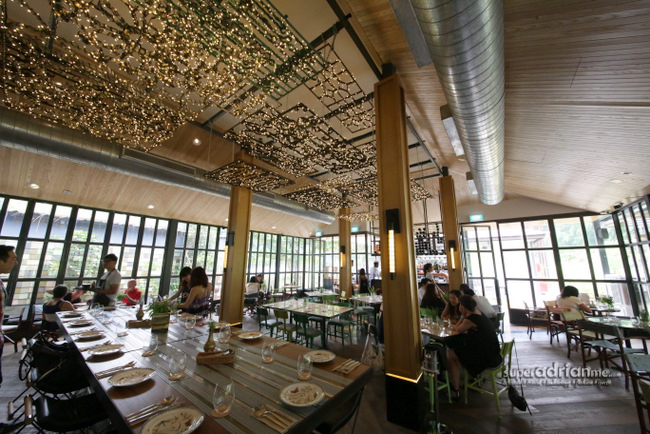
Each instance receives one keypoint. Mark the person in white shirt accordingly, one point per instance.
(374, 274)
(109, 283)
(570, 300)
(253, 286)
(482, 303)
(423, 285)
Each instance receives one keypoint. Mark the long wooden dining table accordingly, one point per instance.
(255, 383)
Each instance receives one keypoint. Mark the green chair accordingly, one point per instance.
(361, 312)
(442, 385)
(497, 377)
(284, 326)
(341, 323)
(499, 324)
(304, 332)
(263, 320)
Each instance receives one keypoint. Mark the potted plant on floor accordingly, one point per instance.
(160, 313)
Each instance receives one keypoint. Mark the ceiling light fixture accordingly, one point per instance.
(196, 142)
(626, 173)
(150, 206)
(616, 181)
(33, 186)
(452, 132)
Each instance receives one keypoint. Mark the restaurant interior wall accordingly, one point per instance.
(533, 258)
(513, 208)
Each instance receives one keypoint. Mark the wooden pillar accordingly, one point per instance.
(402, 335)
(451, 231)
(234, 274)
(345, 276)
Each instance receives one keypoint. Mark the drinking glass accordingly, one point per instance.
(151, 347)
(190, 322)
(120, 329)
(173, 317)
(268, 351)
(223, 336)
(223, 398)
(95, 309)
(177, 366)
(304, 367)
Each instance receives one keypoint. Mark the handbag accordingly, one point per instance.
(517, 399)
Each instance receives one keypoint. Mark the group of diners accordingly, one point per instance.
(194, 293)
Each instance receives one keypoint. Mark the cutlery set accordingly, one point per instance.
(347, 366)
(110, 372)
(273, 418)
(136, 418)
(108, 342)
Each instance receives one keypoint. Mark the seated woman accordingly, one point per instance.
(253, 287)
(569, 300)
(183, 286)
(452, 311)
(433, 298)
(364, 283)
(480, 349)
(198, 302)
(75, 296)
(57, 304)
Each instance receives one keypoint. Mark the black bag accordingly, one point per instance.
(516, 399)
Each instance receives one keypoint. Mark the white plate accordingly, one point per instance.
(80, 323)
(250, 335)
(302, 394)
(182, 420)
(89, 336)
(321, 356)
(71, 315)
(131, 377)
(105, 350)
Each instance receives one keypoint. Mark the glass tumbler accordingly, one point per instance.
(223, 398)
(304, 366)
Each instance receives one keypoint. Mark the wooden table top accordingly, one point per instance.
(314, 309)
(369, 299)
(255, 383)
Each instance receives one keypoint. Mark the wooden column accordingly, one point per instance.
(345, 276)
(451, 229)
(401, 311)
(234, 276)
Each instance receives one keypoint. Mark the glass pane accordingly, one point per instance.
(631, 225)
(31, 258)
(220, 261)
(608, 264)
(157, 262)
(644, 209)
(253, 245)
(181, 232)
(23, 292)
(117, 233)
(143, 262)
(516, 264)
(469, 238)
(472, 264)
(200, 258)
(569, 232)
(542, 264)
(209, 263)
(488, 264)
(149, 232)
(191, 236)
(41, 294)
(600, 230)
(99, 227)
(640, 224)
(161, 233)
(133, 230)
(545, 291)
(75, 260)
(584, 288)
(511, 235)
(60, 223)
(93, 260)
(14, 218)
(646, 252)
(40, 220)
(519, 293)
(574, 264)
(271, 241)
(538, 234)
(52, 260)
(217, 288)
(620, 294)
(621, 221)
(641, 263)
(632, 262)
(484, 240)
(222, 239)
(82, 225)
(126, 262)
(203, 236)
(154, 288)
(212, 242)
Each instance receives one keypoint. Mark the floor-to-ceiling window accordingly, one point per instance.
(262, 257)
(634, 221)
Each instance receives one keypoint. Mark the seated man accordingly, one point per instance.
(132, 294)
(482, 303)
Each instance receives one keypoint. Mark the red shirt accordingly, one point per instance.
(134, 294)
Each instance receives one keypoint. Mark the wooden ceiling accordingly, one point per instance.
(577, 109)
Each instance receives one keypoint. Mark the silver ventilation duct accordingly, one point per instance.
(466, 39)
(25, 133)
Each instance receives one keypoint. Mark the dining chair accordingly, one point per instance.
(288, 329)
(48, 414)
(555, 326)
(535, 316)
(641, 388)
(498, 377)
(361, 312)
(341, 323)
(304, 332)
(569, 319)
(499, 324)
(608, 350)
(264, 320)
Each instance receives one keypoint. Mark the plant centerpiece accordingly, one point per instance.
(644, 316)
(607, 301)
(160, 312)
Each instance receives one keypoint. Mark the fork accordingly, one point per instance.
(108, 342)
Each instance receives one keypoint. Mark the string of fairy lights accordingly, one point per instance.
(246, 175)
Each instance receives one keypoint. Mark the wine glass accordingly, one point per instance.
(177, 363)
(268, 351)
(120, 329)
(223, 398)
(304, 366)
(151, 347)
(223, 336)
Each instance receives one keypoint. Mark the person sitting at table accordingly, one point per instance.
(132, 294)
(570, 300)
(53, 306)
(253, 287)
(480, 348)
(433, 298)
(183, 285)
(452, 311)
(483, 303)
(364, 283)
(423, 286)
(198, 302)
(75, 296)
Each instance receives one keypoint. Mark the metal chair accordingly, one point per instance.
(284, 325)
(52, 415)
(304, 332)
(554, 327)
(534, 316)
(341, 323)
(263, 320)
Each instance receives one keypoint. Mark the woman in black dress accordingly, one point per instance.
(184, 285)
(481, 347)
(57, 304)
(433, 298)
(363, 282)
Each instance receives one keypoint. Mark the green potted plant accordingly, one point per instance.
(644, 316)
(608, 301)
(160, 313)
